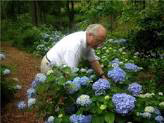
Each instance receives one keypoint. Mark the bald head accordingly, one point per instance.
(95, 29)
(96, 34)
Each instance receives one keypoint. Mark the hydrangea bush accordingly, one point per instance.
(77, 95)
(47, 40)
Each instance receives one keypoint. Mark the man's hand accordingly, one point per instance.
(104, 77)
(97, 67)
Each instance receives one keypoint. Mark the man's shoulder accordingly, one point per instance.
(80, 35)
(77, 33)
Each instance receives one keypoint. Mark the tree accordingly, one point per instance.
(70, 11)
(35, 13)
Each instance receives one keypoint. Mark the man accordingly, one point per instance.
(75, 46)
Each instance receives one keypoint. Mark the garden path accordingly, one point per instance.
(25, 66)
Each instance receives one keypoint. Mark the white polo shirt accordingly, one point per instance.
(70, 50)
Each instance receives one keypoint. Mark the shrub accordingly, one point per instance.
(8, 87)
(149, 32)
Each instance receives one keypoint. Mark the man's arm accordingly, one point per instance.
(97, 67)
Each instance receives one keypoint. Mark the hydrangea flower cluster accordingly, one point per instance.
(80, 118)
(21, 105)
(72, 86)
(75, 69)
(45, 35)
(31, 101)
(34, 83)
(135, 89)
(50, 119)
(83, 100)
(124, 103)
(115, 61)
(149, 109)
(100, 86)
(149, 112)
(159, 119)
(117, 41)
(18, 87)
(81, 80)
(145, 115)
(40, 77)
(90, 71)
(161, 104)
(117, 74)
(132, 67)
(2, 56)
(83, 70)
(157, 111)
(30, 92)
(6, 72)
(147, 95)
(84, 80)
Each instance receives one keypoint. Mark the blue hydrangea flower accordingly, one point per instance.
(159, 119)
(80, 118)
(76, 80)
(124, 103)
(157, 111)
(115, 61)
(84, 80)
(83, 100)
(6, 72)
(34, 83)
(90, 71)
(40, 77)
(100, 86)
(30, 92)
(31, 101)
(117, 74)
(132, 67)
(135, 89)
(21, 105)
(74, 118)
(72, 86)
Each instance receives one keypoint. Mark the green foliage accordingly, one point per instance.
(7, 87)
(148, 32)
(53, 98)
(104, 12)
(48, 38)
(21, 33)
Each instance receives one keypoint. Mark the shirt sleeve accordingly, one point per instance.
(91, 55)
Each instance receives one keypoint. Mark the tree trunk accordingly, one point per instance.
(70, 10)
(35, 13)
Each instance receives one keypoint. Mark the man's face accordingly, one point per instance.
(97, 41)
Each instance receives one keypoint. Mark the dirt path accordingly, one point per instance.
(25, 68)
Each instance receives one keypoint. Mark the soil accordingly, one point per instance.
(25, 67)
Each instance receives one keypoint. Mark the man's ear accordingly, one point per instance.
(90, 34)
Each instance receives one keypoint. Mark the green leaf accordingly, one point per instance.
(109, 117)
(98, 119)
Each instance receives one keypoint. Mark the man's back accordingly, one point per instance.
(63, 51)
